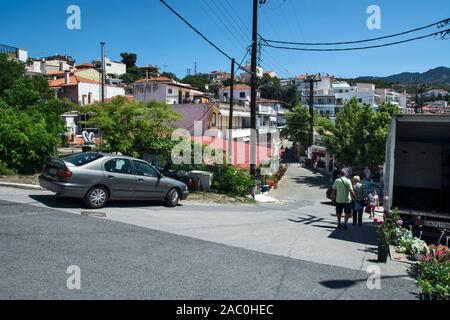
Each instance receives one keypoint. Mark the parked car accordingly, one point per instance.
(99, 177)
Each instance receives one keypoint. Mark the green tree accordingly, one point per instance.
(199, 81)
(133, 127)
(297, 126)
(30, 119)
(290, 95)
(129, 59)
(359, 134)
(270, 87)
(10, 71)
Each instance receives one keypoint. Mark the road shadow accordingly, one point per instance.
(71, 203)
(346, 283)
(314, 181)
(365, 234)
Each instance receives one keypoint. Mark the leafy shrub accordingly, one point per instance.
(433, 277)
(4, 170)
(233, 181)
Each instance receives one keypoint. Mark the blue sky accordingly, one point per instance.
(147, 28)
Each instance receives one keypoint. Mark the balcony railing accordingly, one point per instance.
(8, 50)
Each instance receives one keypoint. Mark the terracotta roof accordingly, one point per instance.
(74, 80)
(84, 65)
(238, 87)
(159, 79)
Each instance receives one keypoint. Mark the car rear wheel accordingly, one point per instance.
(96, 198)
(172, 198)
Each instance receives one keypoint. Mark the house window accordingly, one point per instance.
(241, 95)
(339, 101)
(360, 100)
(169, 91)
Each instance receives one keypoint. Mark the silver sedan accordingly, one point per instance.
(99, 177)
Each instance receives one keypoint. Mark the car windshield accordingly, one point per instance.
(82, 158)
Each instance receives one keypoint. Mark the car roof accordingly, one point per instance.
(113, 155)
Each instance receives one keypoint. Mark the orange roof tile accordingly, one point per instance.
(159, 79)
(74, 80)
(238, 87)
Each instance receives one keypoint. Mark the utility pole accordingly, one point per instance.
(253, 79)
(230, 119)
(195, 68)
(418, 107)
(102, 45)
(311, 79)
(188, 72)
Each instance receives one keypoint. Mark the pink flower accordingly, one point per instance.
(381, 222)
(399, 222)
(375, 219)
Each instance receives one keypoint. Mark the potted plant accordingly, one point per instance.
(432, 274)
(384, 236)
(265, 184)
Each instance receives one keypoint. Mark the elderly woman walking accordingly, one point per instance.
(360, 198)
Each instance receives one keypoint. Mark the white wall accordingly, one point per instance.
(113, 67)
(86, 88)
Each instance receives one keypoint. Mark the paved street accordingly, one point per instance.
(289, 250)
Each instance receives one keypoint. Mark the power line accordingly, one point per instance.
(232, 33)
(198, 32)
(443, 34)
(234, 23)
(439, 24)
(223, 89)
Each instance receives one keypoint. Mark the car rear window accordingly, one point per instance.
(82, 158)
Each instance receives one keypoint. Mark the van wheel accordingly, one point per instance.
(172, 198)
(96, 198)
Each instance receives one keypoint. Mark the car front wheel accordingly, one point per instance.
(173, 198)
(96, 198)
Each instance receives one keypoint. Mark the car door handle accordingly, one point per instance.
(110, 177)
(140, 180)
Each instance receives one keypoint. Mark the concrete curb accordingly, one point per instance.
(20, 186)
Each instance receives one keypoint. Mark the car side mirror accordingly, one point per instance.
(160, 175)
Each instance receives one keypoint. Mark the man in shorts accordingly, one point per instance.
(343, 189)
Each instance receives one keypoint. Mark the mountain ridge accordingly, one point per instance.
(438, 75)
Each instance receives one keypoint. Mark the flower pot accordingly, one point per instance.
(382, 254)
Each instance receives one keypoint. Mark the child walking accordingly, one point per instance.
(374, 203)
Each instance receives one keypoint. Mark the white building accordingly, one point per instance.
(115, 67)
(81, 91)
(166, 90)
(245, 76)
(241, 92)
(392, 97)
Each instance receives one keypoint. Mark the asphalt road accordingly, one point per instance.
(123, 261)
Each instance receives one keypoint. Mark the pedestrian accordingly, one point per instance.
(367, 174)
(360, 198)
(343, 190)
(374, 203)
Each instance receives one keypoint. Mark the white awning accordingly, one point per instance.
(274, 119)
